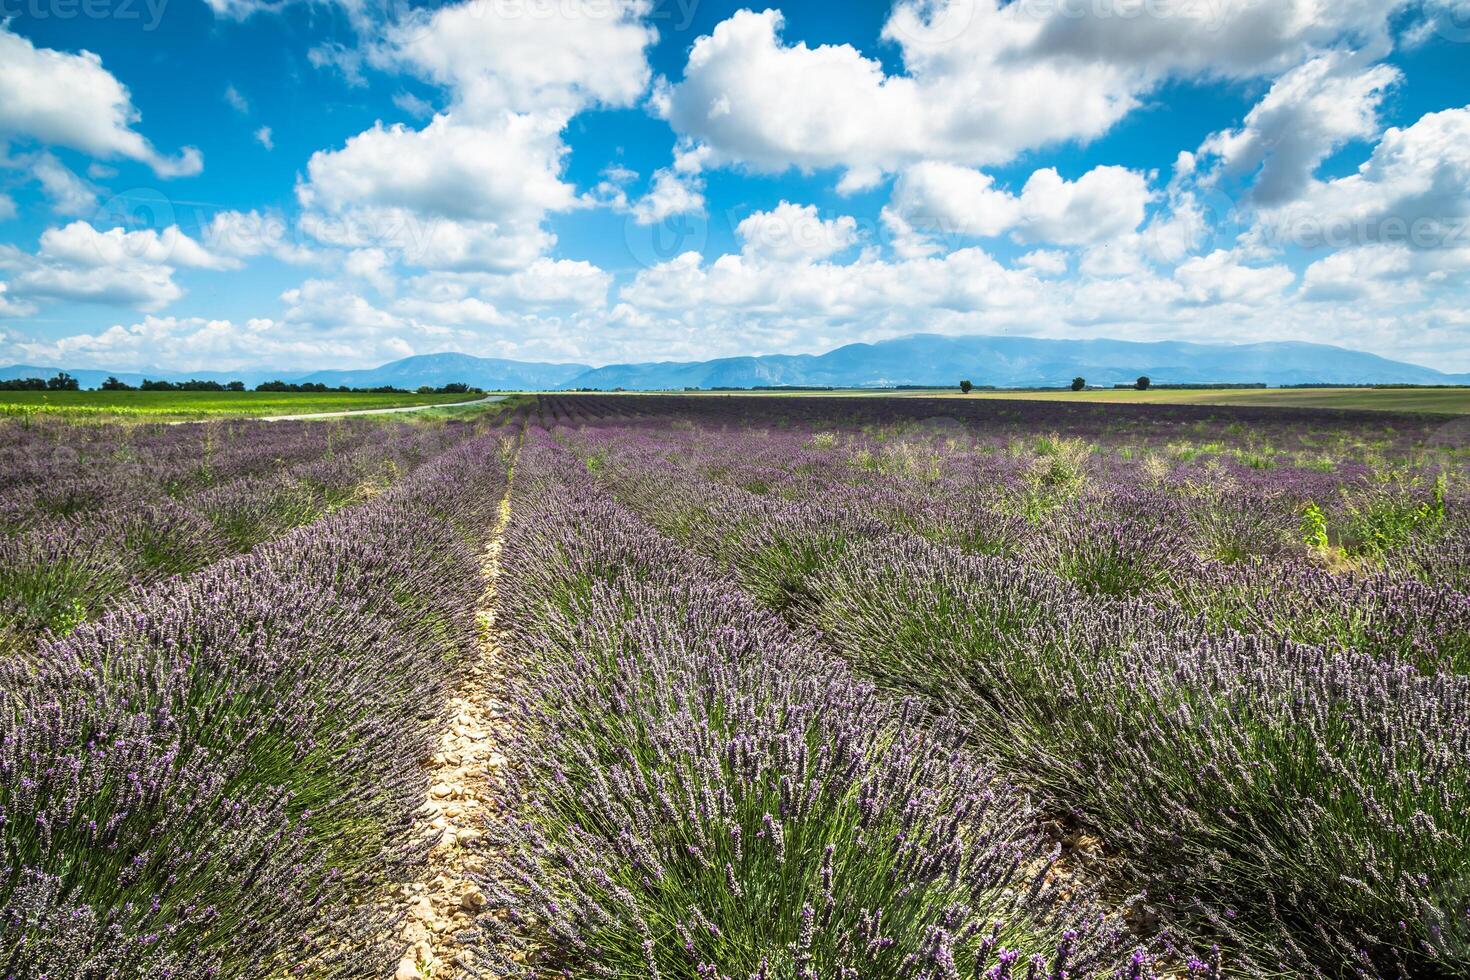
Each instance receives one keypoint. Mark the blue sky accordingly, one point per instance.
(219, 184)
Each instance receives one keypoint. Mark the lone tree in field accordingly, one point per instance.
(1142, 383)
(1078, 383)
(966, 387)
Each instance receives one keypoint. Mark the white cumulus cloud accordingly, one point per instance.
(70, 100)
(947, 199)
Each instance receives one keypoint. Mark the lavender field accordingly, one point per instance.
(739, 688)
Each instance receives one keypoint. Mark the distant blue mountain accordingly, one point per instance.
(439, 369)
(1014, 362)
(920, 359)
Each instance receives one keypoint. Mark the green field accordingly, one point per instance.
(170, 406)
(1450, 401)
(1446, 400)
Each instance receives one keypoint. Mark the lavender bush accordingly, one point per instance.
(65, 564)
(702, 794)
(798, 688)
(216, 777)
(1247, 726)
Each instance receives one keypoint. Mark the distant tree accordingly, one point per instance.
(966, 387)
(23, 384)
(454, 388)
(112, 384)
(1078, 383)
(235, 386)
(1142, 383)
(158, 385)
(62, 382)
(426, 389)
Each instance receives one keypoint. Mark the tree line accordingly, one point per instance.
(65, 382)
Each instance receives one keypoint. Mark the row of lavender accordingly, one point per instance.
(88, 523)
(56, 469)
(1273, 432)
(218, 776)
(1222, 543)
(1305, 802)
(698, 792)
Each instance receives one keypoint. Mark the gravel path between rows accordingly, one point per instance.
(463, 778)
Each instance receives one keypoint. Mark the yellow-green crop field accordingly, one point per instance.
(169, 406)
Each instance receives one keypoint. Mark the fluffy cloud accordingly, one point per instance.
(947, 199)
(450, 195)
(373, 266)
(793, 233)
(80, 264)
(1411, 191)
(432, 243)
(236, 100)
(1044, 262)
(246, 234)
(757, 101)
(1173, 233)
(69, 194)
(1309, 112)
(1102, 204)
(1234, 38)
(525, 57)
(507, 170)
(471, 189)
(12, 307)
(966, 280)
(462, 199)
(447, 311)
(671, 193)
(79, 244)
(1360, 273)
(196, 343)
(1220, 277)
(677, 189)
(545, 282)
(332, 309)
(71, 100)
(142, 287)
(551, 282)
(983, 80)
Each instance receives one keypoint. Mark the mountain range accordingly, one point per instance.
(918, 359)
